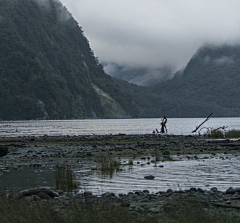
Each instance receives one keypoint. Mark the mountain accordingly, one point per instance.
(209, 83)
(48, 70)
(142, 76)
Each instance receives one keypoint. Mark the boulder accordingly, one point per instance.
(166, 153)
(43, 195)
(214, 189)
(232, 190)
(125, 204)
(3, 151)
(153, 210)
(36, 191)
(108, 194)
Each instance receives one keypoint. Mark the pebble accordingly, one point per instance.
(149, 177)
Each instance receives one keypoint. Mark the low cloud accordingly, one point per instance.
(153, 33)
(223, 60)
(43, 3)
(144, 76)
(62, 12)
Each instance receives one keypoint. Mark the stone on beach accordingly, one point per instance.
(149, 177)
(3, 150)
(36, 191)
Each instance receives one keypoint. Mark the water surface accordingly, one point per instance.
(176, 126)
(221, 171)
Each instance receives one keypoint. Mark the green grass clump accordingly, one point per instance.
(192, 211)
(179, 210)
(215, 134)
(20, 211)
(107, 213)
(232, 134)
(157, 154)
(108, 166)
(221, 134)
(130, 162)
(65, 179)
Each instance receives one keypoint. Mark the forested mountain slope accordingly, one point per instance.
(209, 83)
(47, 68)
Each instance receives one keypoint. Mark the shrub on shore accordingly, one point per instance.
(108, 165)
(21, 211)
(232, 134)
(221, 134)
(177, 211)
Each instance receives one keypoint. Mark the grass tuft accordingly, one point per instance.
(108, 166)
(215, 134)
(232, 134)
(65, 179)
(130, 162)
(190, 210)
(179, 210)
(220, 134)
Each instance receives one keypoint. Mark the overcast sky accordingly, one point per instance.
(154, 32)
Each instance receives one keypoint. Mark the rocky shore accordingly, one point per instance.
(142, 202)
(50, 149)
(39, 151)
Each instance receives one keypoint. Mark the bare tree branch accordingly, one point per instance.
(223, 128)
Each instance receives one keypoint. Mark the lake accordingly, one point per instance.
(176, 126)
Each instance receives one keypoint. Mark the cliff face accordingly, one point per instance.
(47, 68)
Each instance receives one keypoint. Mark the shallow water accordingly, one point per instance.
(176, 126)
(221, 171)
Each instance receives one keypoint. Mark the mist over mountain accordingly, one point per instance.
(47, 68)
(142, 76)
(209, 83)
(140, 33)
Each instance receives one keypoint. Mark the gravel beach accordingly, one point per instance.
(39, 151)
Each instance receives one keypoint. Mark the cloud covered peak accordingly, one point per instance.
(154, 33)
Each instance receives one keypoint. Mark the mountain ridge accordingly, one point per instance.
(209, 83)
(47, 67)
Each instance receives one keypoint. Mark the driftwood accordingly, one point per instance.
(36, 191)
(225, 205)
(202, 123)
(223, 128)
(209, 129)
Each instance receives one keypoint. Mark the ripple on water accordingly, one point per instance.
(212, 172)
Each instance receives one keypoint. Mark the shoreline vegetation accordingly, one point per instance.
(193, 205)
(141, 207)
